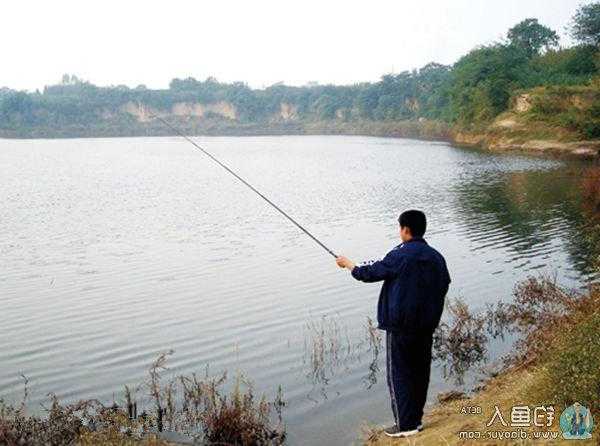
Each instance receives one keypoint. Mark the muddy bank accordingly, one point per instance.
(506, 143)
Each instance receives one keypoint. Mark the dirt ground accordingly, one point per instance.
(445, 422)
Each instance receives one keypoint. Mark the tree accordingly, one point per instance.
(585, 27)
(483, 80)
(570, 66)
(186, 84)
(533, 37)
(70, 79)
(433, 85)
(16, 108)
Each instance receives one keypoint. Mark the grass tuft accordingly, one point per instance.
(200, 408)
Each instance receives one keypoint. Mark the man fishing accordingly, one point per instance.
(415, 282)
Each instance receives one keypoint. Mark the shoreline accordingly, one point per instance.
(489, 139)
(556, 351)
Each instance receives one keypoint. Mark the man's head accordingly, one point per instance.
(412, 224)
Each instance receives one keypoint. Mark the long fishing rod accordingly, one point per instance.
(216, 160)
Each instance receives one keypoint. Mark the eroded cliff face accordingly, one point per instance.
(287, 111)
(523, 103)
(517, 129)
(143, 113)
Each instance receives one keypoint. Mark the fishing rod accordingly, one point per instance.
(252, 188)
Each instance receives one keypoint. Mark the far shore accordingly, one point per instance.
(492, 138)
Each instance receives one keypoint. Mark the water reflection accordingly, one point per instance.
(531, 215)
(329, 350)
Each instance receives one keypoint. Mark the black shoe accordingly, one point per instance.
(395, 432)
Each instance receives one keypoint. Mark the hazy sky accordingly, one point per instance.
(257, 41)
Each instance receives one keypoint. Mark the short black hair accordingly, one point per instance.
(415, 221)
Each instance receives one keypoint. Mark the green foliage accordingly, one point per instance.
(574, 108)
(586, 24)
(571, 372)
(532, 37)
(483, 81)
(571, 66)
(17, 108)
(471, 92)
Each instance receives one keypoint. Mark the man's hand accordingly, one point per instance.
(344, 262)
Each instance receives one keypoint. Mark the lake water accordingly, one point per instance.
(113, 250)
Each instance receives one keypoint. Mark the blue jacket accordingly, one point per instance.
(415, 283)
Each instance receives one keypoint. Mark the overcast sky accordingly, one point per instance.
(259, 42)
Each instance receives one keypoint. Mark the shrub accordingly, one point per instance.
(546, 105)
(569, 120)
(594, 110)
(591, 129)
(460, 342)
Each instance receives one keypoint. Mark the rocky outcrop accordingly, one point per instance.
(197, 110)
(523, 103)
(139, 111)
(187, 109)
(288, 112)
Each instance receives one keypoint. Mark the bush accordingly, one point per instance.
(569, 120)
(591, 129)
(546, 105)
(460, 342)
(594, 110)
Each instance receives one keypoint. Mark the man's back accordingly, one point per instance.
(416, 281)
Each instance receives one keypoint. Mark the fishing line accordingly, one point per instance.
(252, 188)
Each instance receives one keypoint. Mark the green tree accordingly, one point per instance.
(585, 27)
(483, 81)
(571, 66)
(16, 108)
(433, 83)
(532, 36)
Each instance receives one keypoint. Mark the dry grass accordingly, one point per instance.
(460, 342)
(374, 343)
(198, 407)
(328, 348)
(540, 311)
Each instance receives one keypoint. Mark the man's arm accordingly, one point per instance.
(375, 272)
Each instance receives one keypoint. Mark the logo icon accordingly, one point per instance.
(576, 422)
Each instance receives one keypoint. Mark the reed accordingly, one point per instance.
(200, 408)
(328, 347)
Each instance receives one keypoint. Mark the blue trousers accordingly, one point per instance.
(408, 369)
